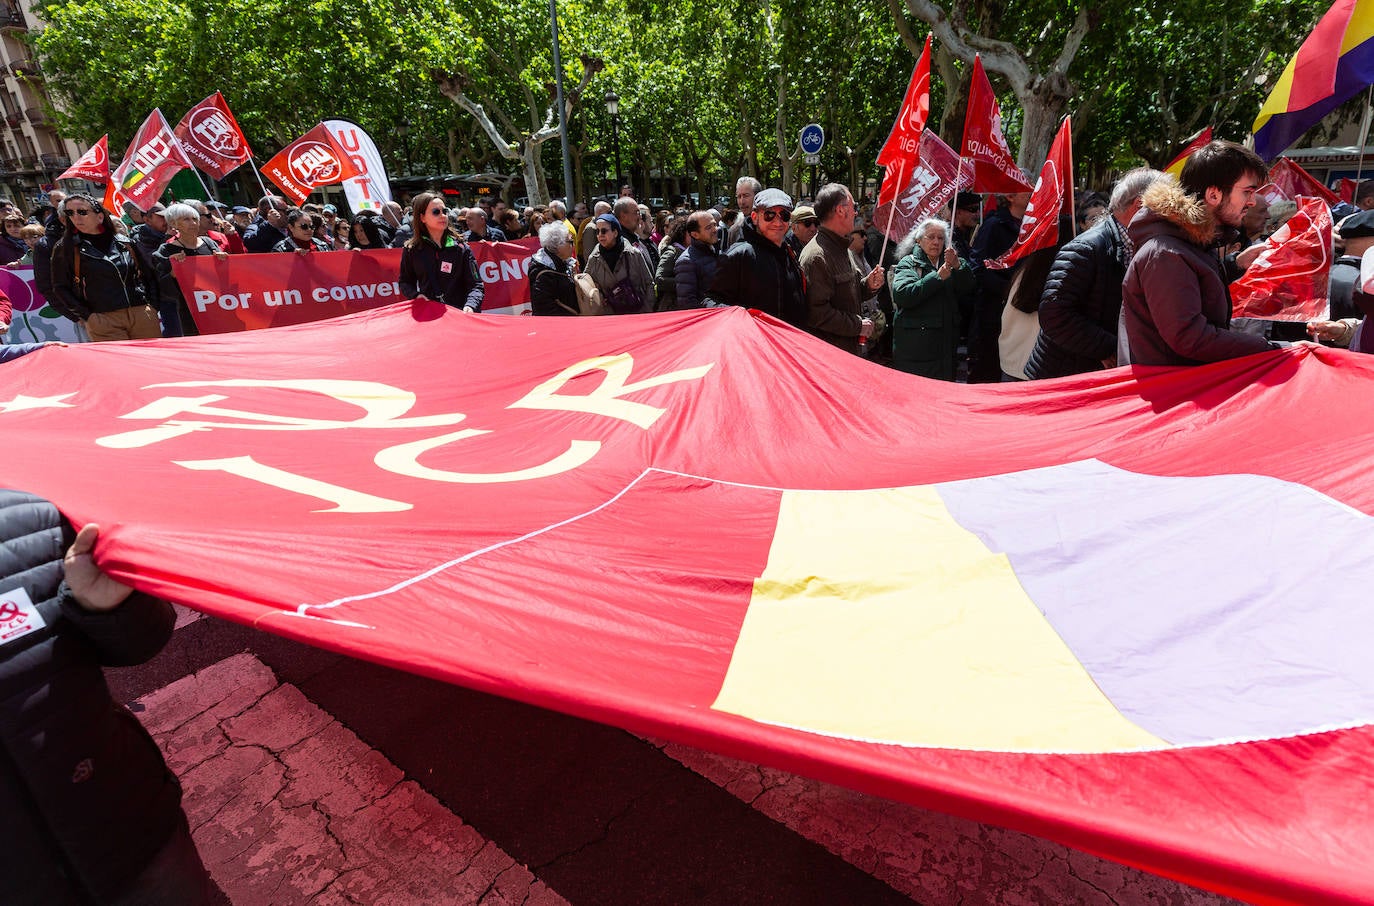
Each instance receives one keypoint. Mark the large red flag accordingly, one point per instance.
(903, 143)
(1292, 180)
(1040, 225)
(1290, 280)
(153, 158)
(1348, 187)
(94, 165)
(930, 188)
(311, 161)
(212, 139)
(985, 148)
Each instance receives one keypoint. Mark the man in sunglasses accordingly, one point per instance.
(269, 227)
(760, 271)
(835, 290)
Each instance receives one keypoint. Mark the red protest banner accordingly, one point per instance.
(311, 161)
(250, 292)
(153, 158)
(212, 139)
(1290, 280)
(94, 165)
(930, 188)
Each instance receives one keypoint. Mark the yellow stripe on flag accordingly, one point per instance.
(878, 617)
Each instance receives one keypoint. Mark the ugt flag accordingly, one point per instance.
(311, 161)
(930, 188)
(153, 158)
(985, 148)
(1120, 626)
(94, 165)
(1290, 280)
(1040, 225)
(369, 190)
(212, 139)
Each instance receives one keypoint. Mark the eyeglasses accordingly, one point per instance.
(302, 225)
(80, 212)
(783, 215)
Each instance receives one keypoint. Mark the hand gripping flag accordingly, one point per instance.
(1040, 225)
(1117, 626)
(212, 139)
(94, 165)
(1175, 167)
(1290, 280)
(985, 148)
(1335, 63)
(1292, 180)
(930, 188)
(311, 161)
(153, 158)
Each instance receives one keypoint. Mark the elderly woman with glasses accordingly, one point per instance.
(552, 291)
(928, 283)
(300, 234)
(187, 242)
(96, 276)
(435, 262)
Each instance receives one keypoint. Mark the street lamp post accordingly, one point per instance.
(613, 108)
(403, 131)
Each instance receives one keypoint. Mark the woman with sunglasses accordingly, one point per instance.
(437, 264)
(97, 277)
(300, 234)
(620, 270)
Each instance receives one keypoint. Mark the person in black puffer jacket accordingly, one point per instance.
(1081, 303)
(759, 273)
(552, 291)
(90, 812)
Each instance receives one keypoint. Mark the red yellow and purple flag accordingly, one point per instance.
(1335, 63)
(1175, 166)
(1135, 622)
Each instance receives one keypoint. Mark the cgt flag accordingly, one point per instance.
(311, 161)
(153, 158)
(1040, 225)
(94, 165)
(929, 189)
(212, 139)
(985, 148)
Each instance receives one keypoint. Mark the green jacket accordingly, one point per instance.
(925, 326)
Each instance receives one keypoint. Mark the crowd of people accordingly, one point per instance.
(1139, 275)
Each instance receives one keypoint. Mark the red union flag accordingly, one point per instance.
(311, 161)
(985, 148)
(1290, 280)
(94, 165)
(1040, 225)
(1200, 710)
(1292, 180)
(153, 158)
(212, 139)
(929, 189)
(903, 143)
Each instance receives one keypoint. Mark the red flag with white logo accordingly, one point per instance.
(212, 139)
(985, 148)
(311, 161)
(1040, 225)
(1290, 280)
(930, 188)
(94, 165)
(1292, 180)
(153, 158)
(903, 143)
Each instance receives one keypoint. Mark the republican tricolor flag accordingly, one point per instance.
(1175, 166)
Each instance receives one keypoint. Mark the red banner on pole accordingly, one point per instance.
(929, 189)
(903, 143)
(249, 292)
(153, 158)
(212, 139)
(1040, 225)
(985, 148)
(94, 165)
(1292, 180)
(311, 161)
(1290, 280)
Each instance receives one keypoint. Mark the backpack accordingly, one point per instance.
(589, 300)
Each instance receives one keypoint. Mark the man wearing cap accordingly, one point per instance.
(1357, 232)
(965, 221)
(835, 290)
(804, 227)
(240, 217)
(148, 236)
(330, 215)
(760, 271)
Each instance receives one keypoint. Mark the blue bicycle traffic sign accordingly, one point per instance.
(812, 138)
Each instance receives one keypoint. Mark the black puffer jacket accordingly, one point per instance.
(1081, 304)
(755, 273)
(86, 800)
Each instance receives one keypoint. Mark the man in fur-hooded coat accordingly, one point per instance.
(1175, 306)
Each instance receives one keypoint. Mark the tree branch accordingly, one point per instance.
(452, 87)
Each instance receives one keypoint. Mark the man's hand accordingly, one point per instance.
(93, 589)
(1246, 258)
(865, 328)
(874, 278)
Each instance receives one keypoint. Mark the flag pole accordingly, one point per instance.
(258, 174)
(1364, 133)
(891, 215)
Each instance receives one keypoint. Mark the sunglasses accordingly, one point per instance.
(436, 211)
(604, 231)
(770, 216)
(80, 212)
(302, 225)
